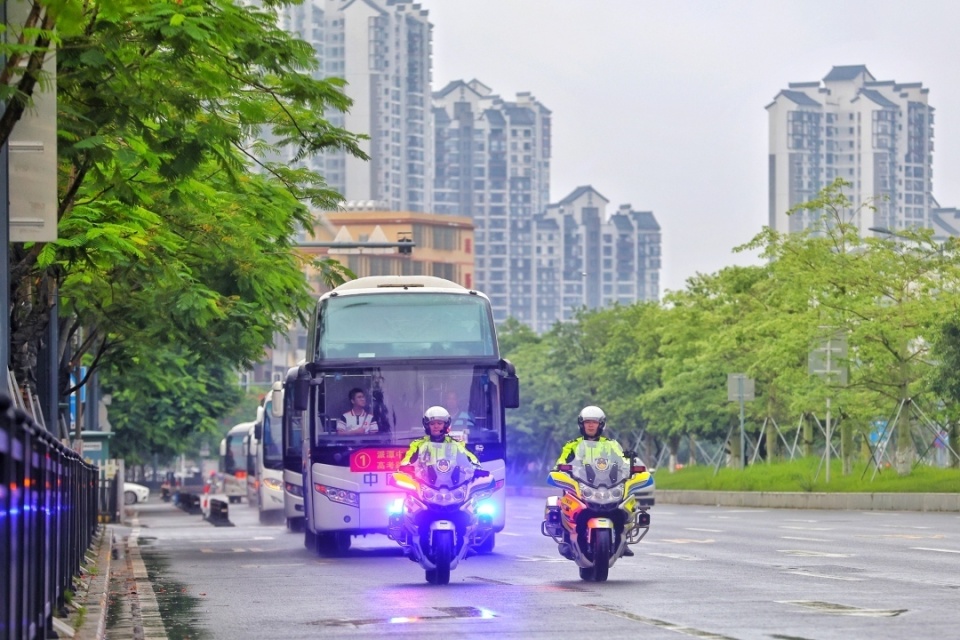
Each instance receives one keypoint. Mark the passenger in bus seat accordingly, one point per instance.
(358, 420)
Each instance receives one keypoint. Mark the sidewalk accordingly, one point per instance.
(116, 596)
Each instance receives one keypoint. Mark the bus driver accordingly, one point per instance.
(358, 420)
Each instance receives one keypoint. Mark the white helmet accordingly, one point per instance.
(592, 413)
(436, 413)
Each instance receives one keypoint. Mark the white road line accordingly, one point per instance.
(806, 553)
(804, 539)
(509, 533)
(823, 575)
(706, 530)
(807, 528)
(933, 549)
(675, 556)
(264, 538)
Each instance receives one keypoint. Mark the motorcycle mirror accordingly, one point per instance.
(637, 468)
(564, 467)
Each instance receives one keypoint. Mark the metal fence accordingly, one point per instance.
(48, 517)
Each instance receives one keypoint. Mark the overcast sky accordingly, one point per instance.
(661, 104)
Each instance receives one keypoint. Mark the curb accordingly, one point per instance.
(925, 502)
(96, 604)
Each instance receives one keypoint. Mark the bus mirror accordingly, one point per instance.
(223, 448)
(258, 431)
(301, 394)
(276, 403)
(510, 390)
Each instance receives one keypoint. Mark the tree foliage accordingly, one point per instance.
(177, 219)
(661, 369)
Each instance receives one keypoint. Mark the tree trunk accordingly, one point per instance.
(846, 446)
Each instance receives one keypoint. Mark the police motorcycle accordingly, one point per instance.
(602, 510)
(442, 518)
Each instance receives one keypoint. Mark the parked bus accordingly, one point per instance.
(233, 462)
(266, 489)
(380, 351)
(292, 447)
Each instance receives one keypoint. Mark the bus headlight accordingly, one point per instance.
(341, 496)
(272, 483)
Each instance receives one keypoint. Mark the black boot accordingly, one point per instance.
(628, 552)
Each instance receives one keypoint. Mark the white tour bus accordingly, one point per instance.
(292, 462)
(380, 351)
(266, 488)
(233, 461)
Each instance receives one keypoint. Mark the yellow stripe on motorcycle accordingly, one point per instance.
(564, 481)
(599, 523)
(638, 480)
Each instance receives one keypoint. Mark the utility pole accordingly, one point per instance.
(4, 251)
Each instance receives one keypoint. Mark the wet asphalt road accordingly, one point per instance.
(701, 572)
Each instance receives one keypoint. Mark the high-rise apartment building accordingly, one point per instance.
(382, 48)
(583, 257)
(875, 134)
(493, 164)
(538, 262)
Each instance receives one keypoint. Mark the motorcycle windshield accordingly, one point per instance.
(599, 464)
(443, 465)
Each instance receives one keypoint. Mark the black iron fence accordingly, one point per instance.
(48, 517)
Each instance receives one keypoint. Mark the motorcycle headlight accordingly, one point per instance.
(459, 495)
(617, 493)
(427, 493)
(587, 492)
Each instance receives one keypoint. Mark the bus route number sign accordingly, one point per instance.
(376, 459)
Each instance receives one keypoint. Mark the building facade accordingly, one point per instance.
(875, 134)
(583, 257)
(382, 48)
(493, 164)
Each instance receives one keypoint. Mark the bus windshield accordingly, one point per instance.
(385, 405)
(400, 325)
(272, 438)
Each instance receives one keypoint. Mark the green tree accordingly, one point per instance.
(176, 215)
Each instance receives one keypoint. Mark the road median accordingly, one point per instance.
(931, 502)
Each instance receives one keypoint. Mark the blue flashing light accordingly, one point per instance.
(395, 507)
(487, 508)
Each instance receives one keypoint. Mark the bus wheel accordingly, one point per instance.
(341, 542)
(310, 540)
(295, 525)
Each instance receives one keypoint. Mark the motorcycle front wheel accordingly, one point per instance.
(602, 549)
(442, 556)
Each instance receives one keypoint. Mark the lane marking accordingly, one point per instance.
(934, 549)
(814, 554)
(904, 536)
(804, 539)
(800, 572)
(807, 528)
(843, 609)
(508, 533)
(653, 622)
(675, 556)
(688, 541)
(704, 530)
